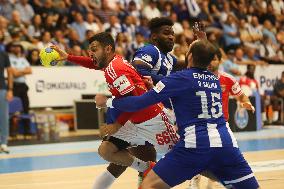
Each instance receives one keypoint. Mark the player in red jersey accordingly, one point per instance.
(230, 87)
(148, 125)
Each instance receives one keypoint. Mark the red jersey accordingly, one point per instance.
(122, 79)
(230, 86)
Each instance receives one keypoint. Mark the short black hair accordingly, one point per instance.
(218, 53)
(104, 38)
(156, 23)
(203, 53)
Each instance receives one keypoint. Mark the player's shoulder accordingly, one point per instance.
(226, 76)
(148, 49)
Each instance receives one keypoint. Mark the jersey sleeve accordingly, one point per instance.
(235, 88)
(82, 61)
(7, 62)
(147, 54)
(163, 90)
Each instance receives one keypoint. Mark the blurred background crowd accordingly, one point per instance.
(250, 32)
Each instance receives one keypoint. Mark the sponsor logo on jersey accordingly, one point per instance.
(159, 87)
(121, 83)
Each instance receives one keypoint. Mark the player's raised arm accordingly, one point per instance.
(80, 60)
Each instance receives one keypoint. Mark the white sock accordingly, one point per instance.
(264, 117)
(139, 165)
(104, 181)
(275, 115)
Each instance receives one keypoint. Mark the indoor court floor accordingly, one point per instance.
(75, 165)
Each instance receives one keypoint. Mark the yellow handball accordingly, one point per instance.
(49, 57)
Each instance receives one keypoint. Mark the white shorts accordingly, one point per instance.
(158, 131)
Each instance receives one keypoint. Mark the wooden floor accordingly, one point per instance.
(270, 177)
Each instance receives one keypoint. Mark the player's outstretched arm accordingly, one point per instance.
(80, 60)
(245, 102)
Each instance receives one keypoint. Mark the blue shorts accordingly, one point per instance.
(227, 164)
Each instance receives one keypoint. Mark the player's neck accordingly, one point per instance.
(111, 57)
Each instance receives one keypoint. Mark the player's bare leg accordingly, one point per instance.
(153, 181)
(145, 153)
(109, 152)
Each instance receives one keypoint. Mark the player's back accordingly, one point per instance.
(123, 79)
(198, 109)
(160, 63)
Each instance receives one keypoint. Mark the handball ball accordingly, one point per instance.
(49, 57)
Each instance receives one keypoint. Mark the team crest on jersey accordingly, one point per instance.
(147, 58)
(236, 88)
(121, 83)
(159, 87)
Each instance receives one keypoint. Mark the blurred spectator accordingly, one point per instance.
(93, 23)
(133, 10)
(121, 42)
(35, 29)
(278, 6)
(268, 51)
(4, 29)
(85, 44)
(113, 27)
(151, 11)
(248, 82)
(231, 35)
(78, 7)
(62, 8)
(183, 43)
(73, 38)
(138, 42)
(46, 40)
(49, 23)
(255, 31)
(33, 57)
(143, 28)
(6, 94)
(2, 46)
(226, 11)
(268, 15)
(77, 51)
(278, 100)
(187, 31)
(79, 25)
(192, 8)
(48, 9)
(268, 31)
(16, 25)
(205, 15)
(129, 28)
(26, 11)
(229, 66)
(177, 27)
(105, 12)
(177, 52)
(62, 24)
(59, 39)
(6, 9)
(167, 9)
(21, 68)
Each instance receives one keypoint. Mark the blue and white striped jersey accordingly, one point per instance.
(196, 98)
(160, 63)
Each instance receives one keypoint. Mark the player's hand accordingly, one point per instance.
(109, 129)
(101, 100)
(148, 82)
(62, 53)
(9, 95)
(198, 31)
(248, 106)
